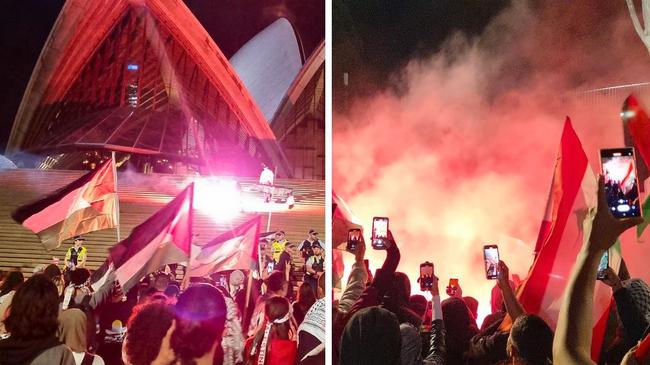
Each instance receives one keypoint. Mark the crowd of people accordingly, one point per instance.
(56, 317)
(378, 321)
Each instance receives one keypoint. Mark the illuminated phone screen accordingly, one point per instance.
(621, 187)
(381, 228)
(491, 255)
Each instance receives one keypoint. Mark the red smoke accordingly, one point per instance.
(465, 156)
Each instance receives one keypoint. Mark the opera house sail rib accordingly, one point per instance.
(144, 79)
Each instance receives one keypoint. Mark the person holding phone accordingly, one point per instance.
(572, 343)
(373, 293)
(355, 286)
(411, 348)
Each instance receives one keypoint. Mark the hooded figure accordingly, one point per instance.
(73, 327)
(371, 336)
(460, 327)
(640, 293)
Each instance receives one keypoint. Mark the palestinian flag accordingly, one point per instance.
(164, 238)
(234, 249)
(87, 204)
(569, 213)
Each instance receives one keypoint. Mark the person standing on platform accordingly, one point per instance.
(266, 179)
(76, 255)
(315, 266)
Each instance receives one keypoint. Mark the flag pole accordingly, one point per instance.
(268, 222)
(249, 285)
(117, 230)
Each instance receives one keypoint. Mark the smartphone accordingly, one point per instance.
(621, 184)
(453, 286)
(602, 266)
(223, 282)
(491, 257)
(426, 276)
(354, 237)
(380, 233)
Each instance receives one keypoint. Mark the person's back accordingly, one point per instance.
(73, 328)
(273, 343)
(530, 341)
(371, 336)
(200, 320)
(32, 323)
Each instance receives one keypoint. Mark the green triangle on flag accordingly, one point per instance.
(645, 209)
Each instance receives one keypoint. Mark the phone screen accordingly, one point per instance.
(604, 264)
(354, 237)
(491, 256)
(621, 186)
(426, 276)
(223, 282)
(379, 233)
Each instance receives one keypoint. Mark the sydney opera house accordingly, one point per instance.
(144, 80)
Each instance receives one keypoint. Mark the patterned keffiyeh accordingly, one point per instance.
(640, 293)
(233, 338)
(314, 322)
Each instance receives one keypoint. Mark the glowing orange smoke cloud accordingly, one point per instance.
(465, 156)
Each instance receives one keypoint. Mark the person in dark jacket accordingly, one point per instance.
(33, 322)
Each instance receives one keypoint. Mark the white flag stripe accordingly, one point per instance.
(52, 214)
(234, 253)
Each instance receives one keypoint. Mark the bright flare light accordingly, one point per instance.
(218, 198)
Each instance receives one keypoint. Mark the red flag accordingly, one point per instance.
(572, 200)
(342, 221)
(87, 204)
(164, 238)
(638, 125)
(235, 249)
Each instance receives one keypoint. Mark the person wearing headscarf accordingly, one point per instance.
(73, 333)
(371, 336)
(274, 342)
(232, 342)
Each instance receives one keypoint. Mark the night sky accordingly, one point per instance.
(25, 25)
(375, 38)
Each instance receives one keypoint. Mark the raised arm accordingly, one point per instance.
(356, 281)
(572, 344)
(437, 351)
(513, 306)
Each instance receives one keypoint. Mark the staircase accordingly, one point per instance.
(140, 196)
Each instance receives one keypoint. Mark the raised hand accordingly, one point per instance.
(605, 227)
(611, 279)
